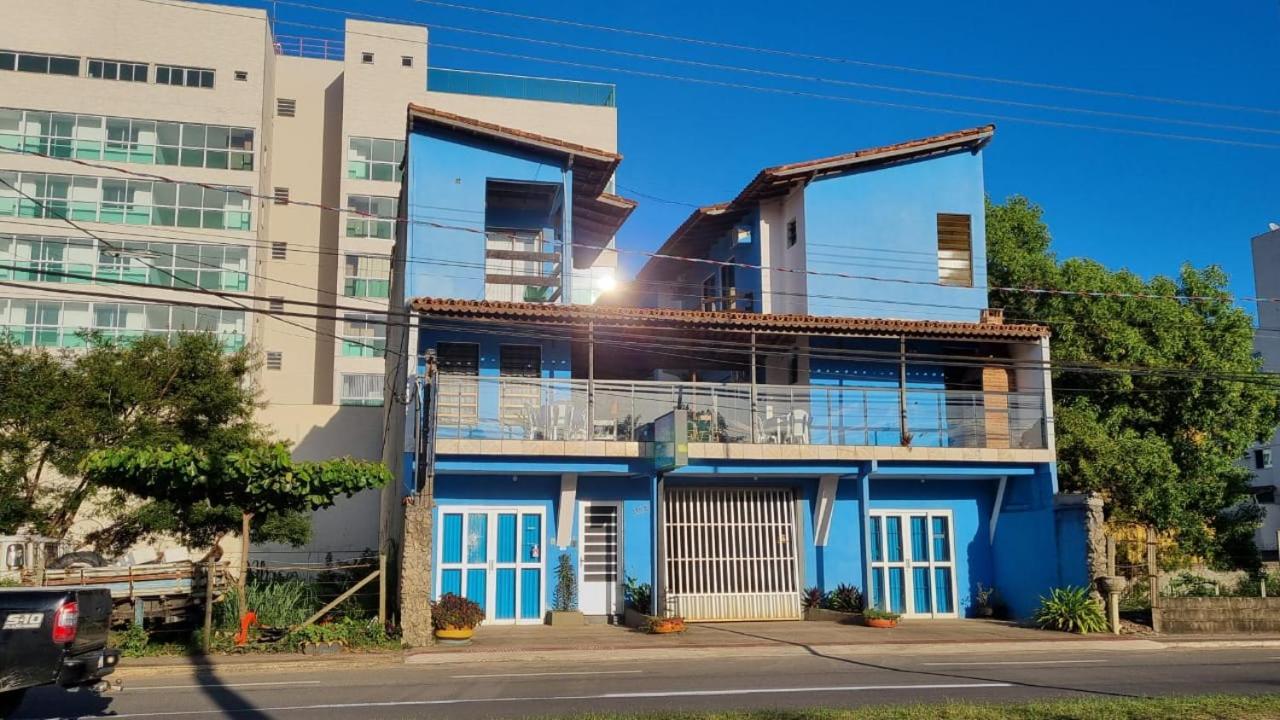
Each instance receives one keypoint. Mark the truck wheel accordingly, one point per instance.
(78, 559)
(9, 702)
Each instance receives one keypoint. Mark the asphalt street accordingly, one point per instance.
(539, 689)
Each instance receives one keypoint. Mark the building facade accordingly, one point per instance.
(158, 150)
(1266, 341)
(716, 431)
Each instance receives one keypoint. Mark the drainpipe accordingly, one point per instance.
(754, 403)
(902, 391)
(591, 380)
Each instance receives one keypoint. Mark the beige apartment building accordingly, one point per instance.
(183, 145)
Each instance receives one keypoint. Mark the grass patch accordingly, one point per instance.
(1206, 707)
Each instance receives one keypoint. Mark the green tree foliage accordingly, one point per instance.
(1162, 445)
(55, 409)
(212, 487)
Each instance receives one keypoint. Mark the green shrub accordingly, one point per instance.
(351, 632)
(1187, 584)
(279, 602)
(1070, 609)
(812, 598)
(565, 596)
(639, 596)
(845, 598)
(131, 642)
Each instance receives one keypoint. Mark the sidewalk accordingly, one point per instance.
(710, 640)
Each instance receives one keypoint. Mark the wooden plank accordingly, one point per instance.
(532, 280)
(527, 255)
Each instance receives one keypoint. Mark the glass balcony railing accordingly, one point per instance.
(520, 87)
(549, 409)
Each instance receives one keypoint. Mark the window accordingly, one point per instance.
(1265, 495)
(381, 225)
(458, 358)
(149, 142)
(286, 107)
(791, 232)
(1262, 459)
(363, 335)
(39, 63)
(955, 250)
(118, 70)
(126, 202)
(281, 196)
(275, 360)
(366, 58)
(275, 304)
(406, 61)
(242, 75)
(53, 323)
(374, 159)
(361, 389)
(793, 370)
(520, 360)
(710, 295)
(367, 276)
(184, 76)
(279, 250)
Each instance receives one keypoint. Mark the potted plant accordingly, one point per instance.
(455, 618)
(877, 618)
(984, 601)
(664, 625)
(564, 601)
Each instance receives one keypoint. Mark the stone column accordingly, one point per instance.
(415, 575)
(1081, 530)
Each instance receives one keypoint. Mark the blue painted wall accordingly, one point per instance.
(446, 179)
(883, 223)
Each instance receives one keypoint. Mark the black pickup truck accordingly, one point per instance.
(50, 637)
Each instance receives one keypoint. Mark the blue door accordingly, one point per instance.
(493, 556)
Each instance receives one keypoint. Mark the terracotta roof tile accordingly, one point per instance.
(719, 321)
(423, 112)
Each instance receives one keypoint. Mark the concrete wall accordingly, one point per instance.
(883, 223)
(1220, 615)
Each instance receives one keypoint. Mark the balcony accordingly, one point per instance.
(520, 87)
(535, 409)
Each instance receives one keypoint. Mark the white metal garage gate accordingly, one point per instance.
(730, 554)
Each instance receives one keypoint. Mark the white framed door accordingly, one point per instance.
(493, 556)
(600, 557)
(913, 563)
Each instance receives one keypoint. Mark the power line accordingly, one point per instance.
(794, 76)
(852, 61)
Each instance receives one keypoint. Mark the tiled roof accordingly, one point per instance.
(422, 112)
(658, 318)
(705, 224)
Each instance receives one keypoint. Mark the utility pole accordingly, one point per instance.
(415, 559)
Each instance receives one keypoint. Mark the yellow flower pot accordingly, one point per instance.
(452, 633)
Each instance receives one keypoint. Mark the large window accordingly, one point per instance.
(374, 159)
(363, 335)
(149, 142)
(955, 250)
(361, 389)
(912, 562)
(367, 276)
(39, 63)
(185, 76)
(118, 70)
(381, 226)
(57, 323)
(127, 202)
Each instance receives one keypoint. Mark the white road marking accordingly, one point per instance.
(226, 685)
(552, 698)
(546, 674)
(1014, 662)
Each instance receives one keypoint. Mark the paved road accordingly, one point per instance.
(521, 689)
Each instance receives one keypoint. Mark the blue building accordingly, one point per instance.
(726, 432)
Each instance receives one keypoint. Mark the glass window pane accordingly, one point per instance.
(893, 538)
(941, 539)
(168, 133)
(33, 63)
(217, 137)
(64, 66)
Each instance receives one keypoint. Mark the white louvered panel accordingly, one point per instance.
(731, 554)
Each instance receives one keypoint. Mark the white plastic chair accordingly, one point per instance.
(799, 432)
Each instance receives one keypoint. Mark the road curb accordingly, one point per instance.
(241, 664)
(1220, 644)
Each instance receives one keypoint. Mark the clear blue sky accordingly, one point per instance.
(1140, 202)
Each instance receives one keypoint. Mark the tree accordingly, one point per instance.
(56, 408)
(1161, 443)
(213, 490)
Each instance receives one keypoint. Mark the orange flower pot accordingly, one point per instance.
(881, 623)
